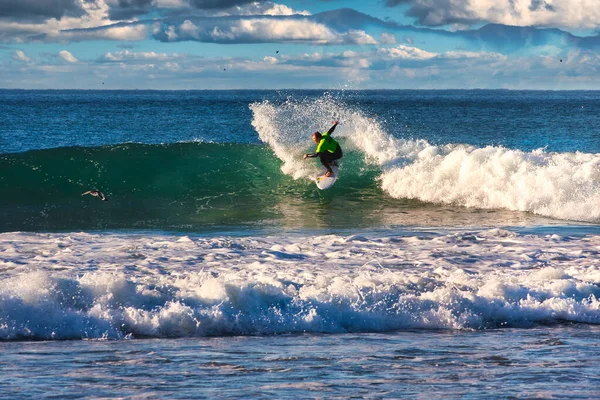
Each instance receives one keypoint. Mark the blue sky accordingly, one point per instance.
(242, 44)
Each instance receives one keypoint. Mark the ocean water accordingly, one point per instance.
(458, 255)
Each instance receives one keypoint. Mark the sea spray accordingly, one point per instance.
(287, 127)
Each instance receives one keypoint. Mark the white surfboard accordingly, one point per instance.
(325, 182)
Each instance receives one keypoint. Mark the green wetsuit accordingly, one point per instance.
(328, 150)
(327, 143)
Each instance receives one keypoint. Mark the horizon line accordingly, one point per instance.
(299, 89)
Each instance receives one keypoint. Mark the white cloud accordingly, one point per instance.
(406, 53)
(171, 3)
(19, 55)
(170, 66)
(398, 67)
(66, 56)
(133, 9)
(357, 37)
(95, 24)
(187, 28)
(262, 30)
(263, 8)
(95, 14)
(134, 32)
(139, 56)
(270, 60)
(556, 13)
(387, 38)
(472, 55)
(171, 34)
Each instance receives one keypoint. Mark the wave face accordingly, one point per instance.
(184, 186)
(148, 186)
(557, 185)
(77, 285)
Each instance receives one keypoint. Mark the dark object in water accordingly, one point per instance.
(96, 193)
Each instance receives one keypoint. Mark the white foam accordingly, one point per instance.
(118, 286)
(557, 185)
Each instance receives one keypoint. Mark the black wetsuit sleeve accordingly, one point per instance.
(330, 131)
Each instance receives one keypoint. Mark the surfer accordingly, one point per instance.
(328, 150)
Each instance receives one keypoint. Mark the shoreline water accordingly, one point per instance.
(531, 363)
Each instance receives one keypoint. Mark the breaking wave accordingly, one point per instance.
(558, 185)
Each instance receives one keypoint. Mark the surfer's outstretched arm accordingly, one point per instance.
(330, 131)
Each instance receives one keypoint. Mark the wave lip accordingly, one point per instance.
(76, 286)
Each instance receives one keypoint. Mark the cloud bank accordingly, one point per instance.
(338, 27)
(55, 20)
(471, 47)
(399, 66)
(543, 13)
(258, 30)
(38, 10)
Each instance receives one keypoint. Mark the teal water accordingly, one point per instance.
(202, 186)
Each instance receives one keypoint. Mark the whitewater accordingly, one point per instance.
(79, 285)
